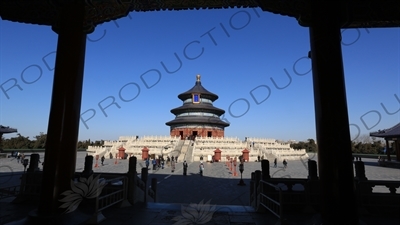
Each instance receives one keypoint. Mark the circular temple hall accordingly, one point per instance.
(197, 116)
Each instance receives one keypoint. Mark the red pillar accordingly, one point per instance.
(337, 191)
(63, 126)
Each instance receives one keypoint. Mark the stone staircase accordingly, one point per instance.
(183, 151)
(189, 154)
(178, 149)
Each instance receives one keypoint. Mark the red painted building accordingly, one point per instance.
(197, 116)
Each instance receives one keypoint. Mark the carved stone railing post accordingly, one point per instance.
(312, 187)
(265, 169)
(360, 171)
(144, 176)
(257, 178)
(154, 188)
(132, 176)
(34, 163)
(312, 170)
(252, 192)
(361, 188)
(88, 168)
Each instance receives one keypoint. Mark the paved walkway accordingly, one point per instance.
(218, 187)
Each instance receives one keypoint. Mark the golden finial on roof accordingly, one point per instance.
(198, 77)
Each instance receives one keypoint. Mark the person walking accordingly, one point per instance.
(201, 168)
(154, 162)
(284, 163)
(22, 158)
(172, 166)
(102, 160)
(185, 166)
(275, 162)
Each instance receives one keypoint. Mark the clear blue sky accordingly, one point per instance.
(238, 53)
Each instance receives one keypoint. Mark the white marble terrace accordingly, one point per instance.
(233, 147)
(134, 146)
(201, 147)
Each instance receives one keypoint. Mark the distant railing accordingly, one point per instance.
(33, 150)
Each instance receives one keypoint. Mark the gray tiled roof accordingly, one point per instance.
(202, 107)
(4, 130)
(197, 120)
(198, 88)
(390, 132)
(190, 107)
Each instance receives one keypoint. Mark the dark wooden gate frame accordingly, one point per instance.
(72, 20)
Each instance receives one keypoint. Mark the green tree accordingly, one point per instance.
(309, 146)
(19, 142)
(366, 145)
(98, 143)
(40, 141)
(83, 144)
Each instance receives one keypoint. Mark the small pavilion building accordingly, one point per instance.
(197, 116)
(5, 130)
(391, 136)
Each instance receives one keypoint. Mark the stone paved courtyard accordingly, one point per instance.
(219, 183)
(218, 186)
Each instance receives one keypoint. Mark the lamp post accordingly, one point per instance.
(241, 168)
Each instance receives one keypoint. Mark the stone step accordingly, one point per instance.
(170, 213)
